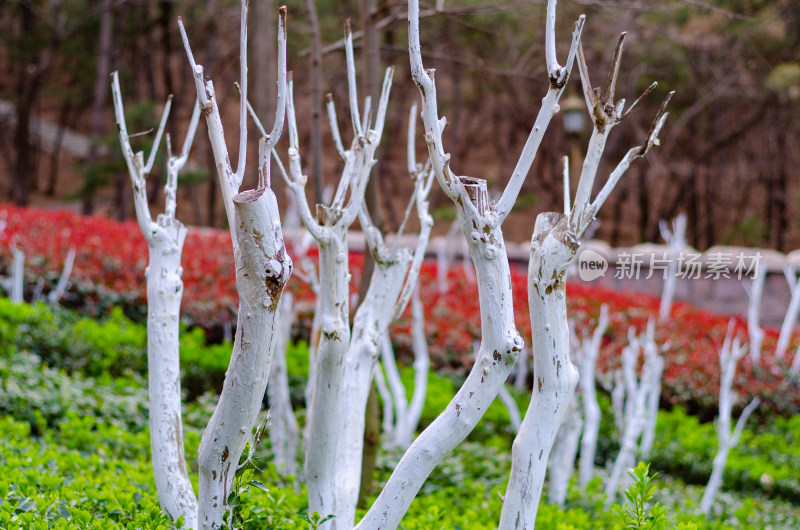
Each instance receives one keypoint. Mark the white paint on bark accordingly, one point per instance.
(790, 319)
(676, 240)
(653, 388)
(588, 353)
(562, 458)
(637, 402)
(262, 269)
(732, 350)
(165, 239)
(554, 244)
(283, 429)
(755, 290)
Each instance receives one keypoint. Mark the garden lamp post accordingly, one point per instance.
(573, 113)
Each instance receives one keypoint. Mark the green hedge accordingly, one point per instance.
(115, 346)
(73, 477)
(767, 458)
(48, 485)
(31, 391)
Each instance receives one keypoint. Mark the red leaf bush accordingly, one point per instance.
(111, 258)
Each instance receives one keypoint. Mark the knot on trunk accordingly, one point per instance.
(553, 246)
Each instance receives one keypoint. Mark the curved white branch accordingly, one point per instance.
(352, 88)
(243, 100)
(411, 152)
(730, 353)
(589, 351)
(159, 132)
(558, 82)
(61, 287)
(791, 313)
(334, 125)
(298, 180)
(430, 114)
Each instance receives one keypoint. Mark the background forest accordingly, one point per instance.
(725, 159)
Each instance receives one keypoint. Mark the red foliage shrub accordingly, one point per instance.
(111, 258)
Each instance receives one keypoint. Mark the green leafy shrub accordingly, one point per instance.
(31, 391)
(114, 346)
(50, 486)
(766, 459)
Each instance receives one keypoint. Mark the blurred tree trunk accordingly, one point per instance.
(264, 67)
(779, 187)
(99, 99)
(29, 78)
(166, 20)
(64, 118)
(372, 438)
(315, 61)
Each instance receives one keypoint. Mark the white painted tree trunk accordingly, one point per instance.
(562, 459)
(165, 239)
(590, 349)
(262, 269)
(641, 403)
(794, 370)
(421, 366)
(283, 429)
(329, 492)
(792, 311)
(555, 377)
(732, 350)
(500, 346)
(654, 373)
(554, 244)
(392, 391)
(756, 334)
(617, 390)
(63, 281)
(164, 292)
(676, 239)
(15, 283)
(344, 365)
(401, 415)
(393, 279)
(633, 418)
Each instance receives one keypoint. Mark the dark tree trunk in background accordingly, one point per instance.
(779, 186)
(644, 203)
(99, 99)
(166, 21)
(315, 63)
(263, 69)
(27, 86)
(372, 88)
(372, 438)
(63, 122)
